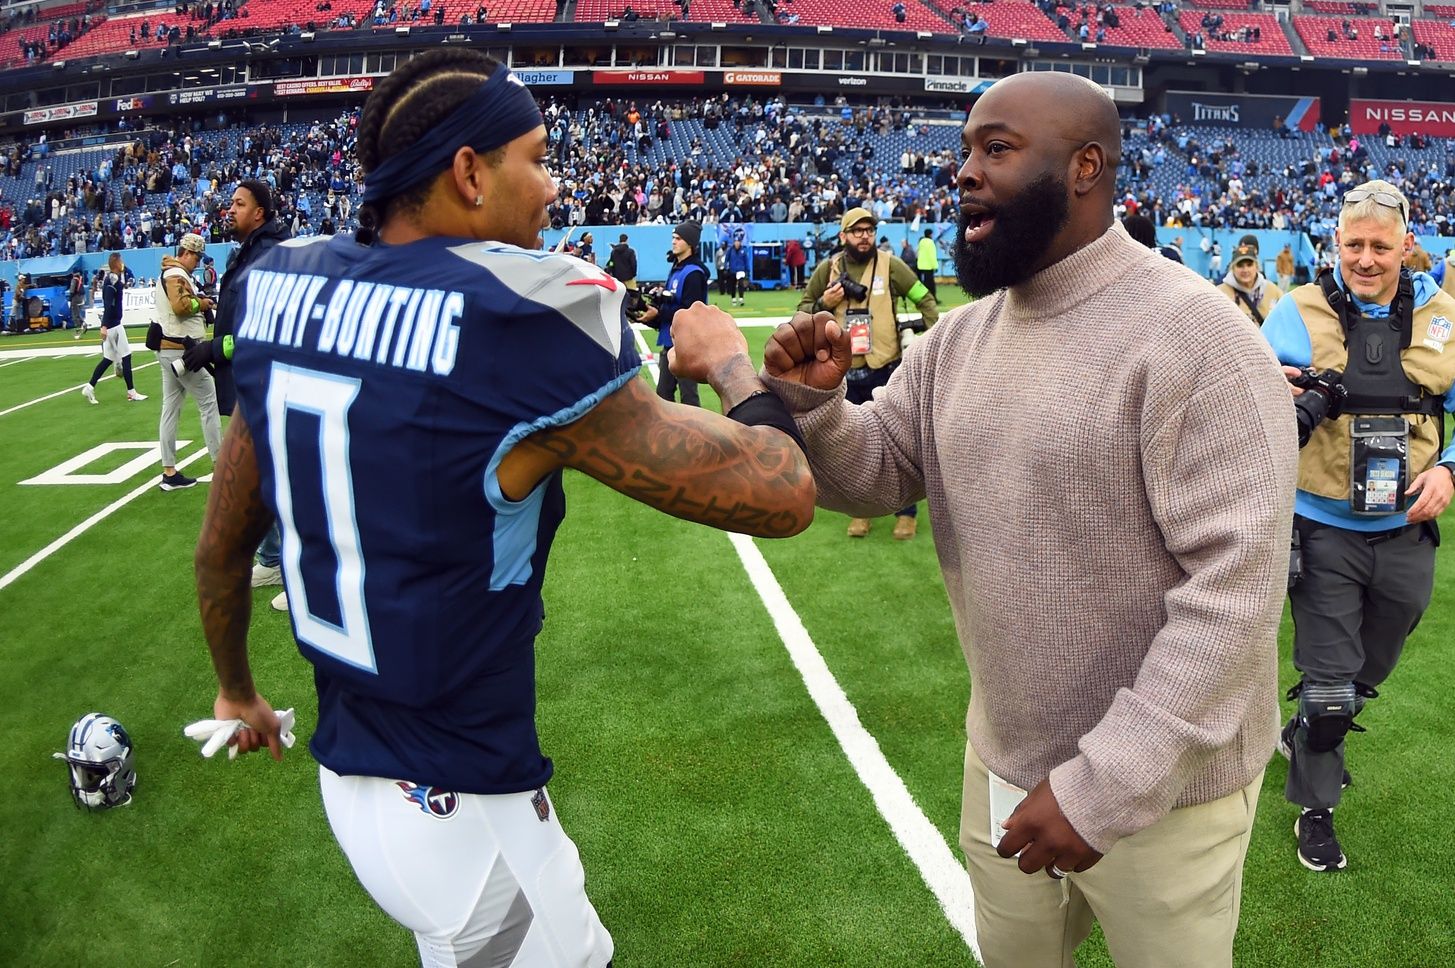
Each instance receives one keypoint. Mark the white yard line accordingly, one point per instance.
(86, 525)
(61, 393)
(941, 869)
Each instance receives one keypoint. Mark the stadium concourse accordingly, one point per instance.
(623, 162)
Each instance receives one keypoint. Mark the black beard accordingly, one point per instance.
(853, 255)
(1024, 229)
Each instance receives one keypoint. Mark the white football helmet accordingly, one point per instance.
(99, 754)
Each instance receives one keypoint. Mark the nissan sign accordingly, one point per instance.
(1403, 117)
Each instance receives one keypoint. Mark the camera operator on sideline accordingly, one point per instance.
(686, 285)
(860, 286)
(1371, 483)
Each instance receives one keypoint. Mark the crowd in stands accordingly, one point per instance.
(732, 159)
(784, 166)
(1216, 185)
(151, 191)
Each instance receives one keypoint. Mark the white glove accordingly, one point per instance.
(213, 734)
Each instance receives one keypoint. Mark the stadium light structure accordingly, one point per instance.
(503, 28)
(401, 31)
(306, 36)
(132, 54)
(1087, 45)
(611, 24)
(1360, 71)
(923, 35)
(824, 30)
(214, 45)
(717, 25)
(667, 34)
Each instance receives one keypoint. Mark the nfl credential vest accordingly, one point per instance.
(1429, 362)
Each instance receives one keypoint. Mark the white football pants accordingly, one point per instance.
(480, 880)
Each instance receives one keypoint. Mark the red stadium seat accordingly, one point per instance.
(1138, 28)
(1271, 39)
(1438, 34)
(1314, 33)
(874, 15)
(1014, 18)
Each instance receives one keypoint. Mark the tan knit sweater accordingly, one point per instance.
(1109, 454)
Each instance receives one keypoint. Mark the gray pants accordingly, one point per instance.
(174, 388)
(1352, 611)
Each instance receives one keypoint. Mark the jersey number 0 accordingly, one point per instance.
(327, 397)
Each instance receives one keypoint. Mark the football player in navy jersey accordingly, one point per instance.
(408, 398)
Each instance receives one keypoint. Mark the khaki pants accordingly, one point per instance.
(1166, 897)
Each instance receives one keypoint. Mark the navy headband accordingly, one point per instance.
(500, 111)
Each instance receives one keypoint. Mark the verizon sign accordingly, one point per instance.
(1403, 117)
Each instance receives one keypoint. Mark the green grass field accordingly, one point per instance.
(718, 819)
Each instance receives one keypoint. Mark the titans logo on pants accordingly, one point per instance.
(440, 804)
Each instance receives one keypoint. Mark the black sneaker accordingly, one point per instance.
(176, 481)
(1285, 747)
(1318, 848)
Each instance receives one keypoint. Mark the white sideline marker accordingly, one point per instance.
(86, 525)
(943, 873)
(61, 393)
(941, 870)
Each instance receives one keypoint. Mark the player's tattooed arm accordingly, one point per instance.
(235, 523)
(686, 461)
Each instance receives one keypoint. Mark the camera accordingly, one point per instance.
(1323, 397)
(856, 291)
(638, 301)
(909, 329)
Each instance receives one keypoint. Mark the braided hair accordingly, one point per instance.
(406, 104)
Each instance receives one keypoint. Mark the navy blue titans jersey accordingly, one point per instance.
(383, 386)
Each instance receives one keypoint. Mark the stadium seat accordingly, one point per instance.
(1314, 32)
(870, 15)
(1140, 28)
(1271, 42)
(1438, 34)
(1016, 19)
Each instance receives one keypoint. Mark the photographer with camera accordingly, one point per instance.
(686, 284)
(1364, 347)
(860, 286)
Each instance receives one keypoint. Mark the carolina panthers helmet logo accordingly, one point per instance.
(440, 804)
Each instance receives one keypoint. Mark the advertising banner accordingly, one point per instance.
(1244, 110)
(209, 95)
(1403, 117)
(956, 85)
(753, 78)
(546, 78)
(320, 85)
(61, 112)
(652, 76)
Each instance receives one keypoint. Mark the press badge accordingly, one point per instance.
(878, 285)
(1378, 465)
(861, 340)
(1005, 796)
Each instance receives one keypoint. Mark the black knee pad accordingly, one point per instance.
(1327, 713)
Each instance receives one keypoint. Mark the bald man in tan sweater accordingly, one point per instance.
(1108, 450)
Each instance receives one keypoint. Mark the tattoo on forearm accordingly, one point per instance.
(722, 474)
(236, 520)
(735, 380)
